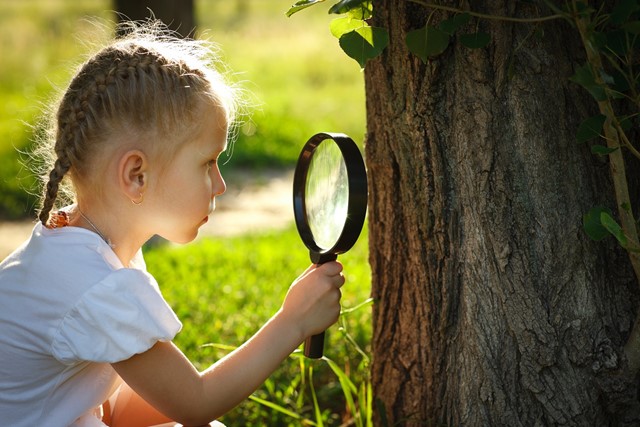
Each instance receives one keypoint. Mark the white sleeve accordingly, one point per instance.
(122, 315)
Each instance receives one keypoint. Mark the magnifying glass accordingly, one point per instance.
(329, 203)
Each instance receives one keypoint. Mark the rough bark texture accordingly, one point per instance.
(492, 305)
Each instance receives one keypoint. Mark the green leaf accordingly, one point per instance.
(316, 407)
(344, 6)
(476, 40)
(623, 11)
(343, 25)
(620, 82)
(584, 77)
(452, 24)
(275, 407)
(613, 227)
(625, 123)
(365, 11)
(364, 43)
(382, 411)
(632, 27)
(602, 150)
(607, 78)
(345, 381)
(300, 5)
(593, 225)
(427, 41)
(583, 8)
(617, 42)
(590, 128)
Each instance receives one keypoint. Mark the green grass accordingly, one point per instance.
(301, 81)
(296, 69)
(224, 290)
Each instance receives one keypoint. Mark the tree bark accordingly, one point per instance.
(492, 305)
(179, 16)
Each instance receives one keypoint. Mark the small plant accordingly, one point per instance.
(223, 289)
(298, 399)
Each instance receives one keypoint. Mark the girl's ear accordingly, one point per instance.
(132, 173)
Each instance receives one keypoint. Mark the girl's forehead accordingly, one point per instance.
(213, 133)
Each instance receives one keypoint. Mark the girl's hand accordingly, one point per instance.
(165, 378)
(313, 300)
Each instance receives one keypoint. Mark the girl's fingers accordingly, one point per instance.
(331, 268)
(338, 280)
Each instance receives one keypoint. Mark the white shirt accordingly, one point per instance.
(68, 309)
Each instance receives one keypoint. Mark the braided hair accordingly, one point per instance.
(147, 85)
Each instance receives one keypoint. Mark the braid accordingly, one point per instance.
(71, 124)
(51, 190)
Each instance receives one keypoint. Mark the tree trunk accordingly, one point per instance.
(492, 305)
(179, 16)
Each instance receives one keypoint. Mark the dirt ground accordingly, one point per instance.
(253, 201)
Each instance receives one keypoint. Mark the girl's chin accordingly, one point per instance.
(183, 235)
(183, 238)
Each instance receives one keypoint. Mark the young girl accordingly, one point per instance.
(85, 335)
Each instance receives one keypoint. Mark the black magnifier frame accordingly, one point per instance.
(356, 209)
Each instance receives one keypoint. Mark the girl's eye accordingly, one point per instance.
(211, 163)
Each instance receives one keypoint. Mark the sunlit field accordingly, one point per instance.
(298, 79)
(299, 83)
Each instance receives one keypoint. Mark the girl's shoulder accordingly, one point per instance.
(57, 267)
(68, 287)
(122, 315)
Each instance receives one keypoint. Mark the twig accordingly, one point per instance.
(487, 16)
(625, 139)
(618, 173)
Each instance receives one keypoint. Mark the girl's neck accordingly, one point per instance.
(96, 229)
(115, 234)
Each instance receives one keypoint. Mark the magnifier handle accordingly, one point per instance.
(314, 346)
(321, 258)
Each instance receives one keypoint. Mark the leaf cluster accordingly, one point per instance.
(356, 37)
(611, 75)
(363, 42)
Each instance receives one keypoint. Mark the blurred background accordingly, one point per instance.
(222, 288)
(300, 80)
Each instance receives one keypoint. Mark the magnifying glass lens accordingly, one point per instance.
(327, 194)
(329, 203)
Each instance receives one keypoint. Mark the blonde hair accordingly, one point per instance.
(147, 85)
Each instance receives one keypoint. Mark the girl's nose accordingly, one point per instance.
(219, 186)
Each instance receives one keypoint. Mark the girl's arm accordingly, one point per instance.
(168, 380)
